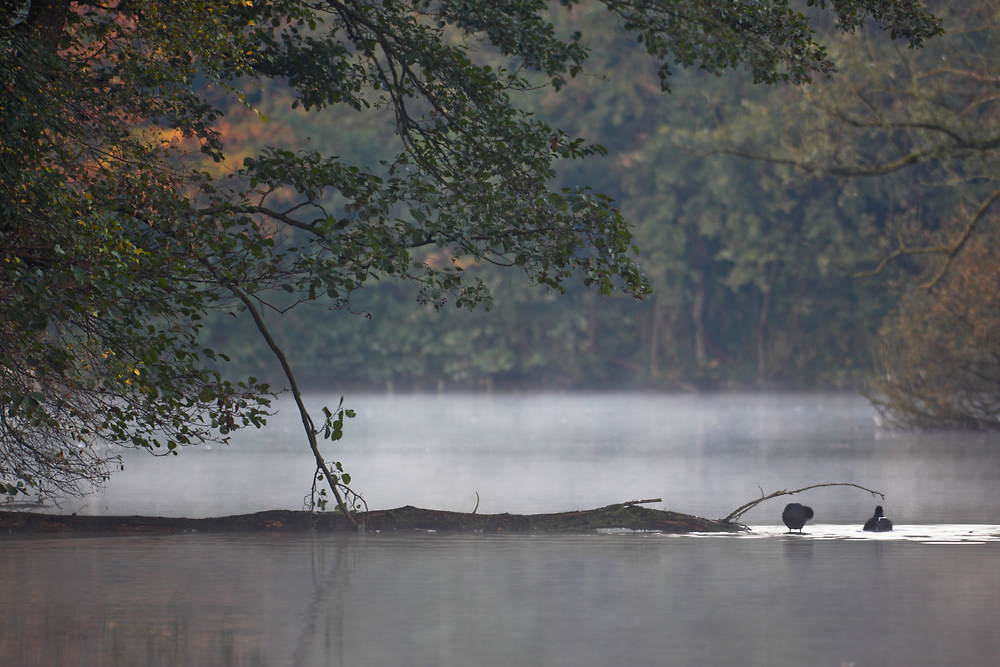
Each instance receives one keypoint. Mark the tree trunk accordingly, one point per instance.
(654, 341)
(762, 325)
(46, 19)
(698, 318)
(626, 516)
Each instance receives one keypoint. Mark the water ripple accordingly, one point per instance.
(962, 533)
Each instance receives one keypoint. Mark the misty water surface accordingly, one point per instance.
(926, 594)
(704, 455)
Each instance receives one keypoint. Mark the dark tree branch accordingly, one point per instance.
(743, 509)
(307, 422)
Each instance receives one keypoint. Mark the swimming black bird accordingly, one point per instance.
(878, 523)
(795, 516)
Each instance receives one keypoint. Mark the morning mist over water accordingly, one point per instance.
(924, 595)
(535, 453)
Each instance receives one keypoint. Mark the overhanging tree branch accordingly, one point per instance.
(307, 422)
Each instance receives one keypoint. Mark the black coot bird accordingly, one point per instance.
(878, 523)
(796, 515)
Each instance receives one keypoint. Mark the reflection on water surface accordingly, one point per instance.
(925, 534)
(765, 598)
(928, 593)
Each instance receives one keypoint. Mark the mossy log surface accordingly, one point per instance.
(407, 518)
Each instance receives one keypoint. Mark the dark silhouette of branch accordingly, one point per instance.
(743, 509)
(279, 354)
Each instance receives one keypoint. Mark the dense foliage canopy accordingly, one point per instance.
(746, 260)
(921, 127)
(121, 228)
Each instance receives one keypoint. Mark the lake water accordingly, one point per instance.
(926, 594)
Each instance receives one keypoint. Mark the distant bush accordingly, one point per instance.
(941, 350)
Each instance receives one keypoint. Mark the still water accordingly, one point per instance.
(926, 594)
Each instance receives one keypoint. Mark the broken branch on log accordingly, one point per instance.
(743, 509)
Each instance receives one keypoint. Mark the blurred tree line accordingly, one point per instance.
(785, 230)
(192, 176)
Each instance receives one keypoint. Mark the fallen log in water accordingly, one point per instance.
(625, 515)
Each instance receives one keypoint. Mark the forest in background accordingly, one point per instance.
(171, 187)
(753, 262)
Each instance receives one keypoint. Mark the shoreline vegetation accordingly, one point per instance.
(618, 516)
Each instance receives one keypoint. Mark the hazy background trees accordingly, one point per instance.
(919, 130)
(834, 234)
(751, 261)
(416, 144)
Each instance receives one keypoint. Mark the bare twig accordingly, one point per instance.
(477, 503)
(643, 502)
(743, 509)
